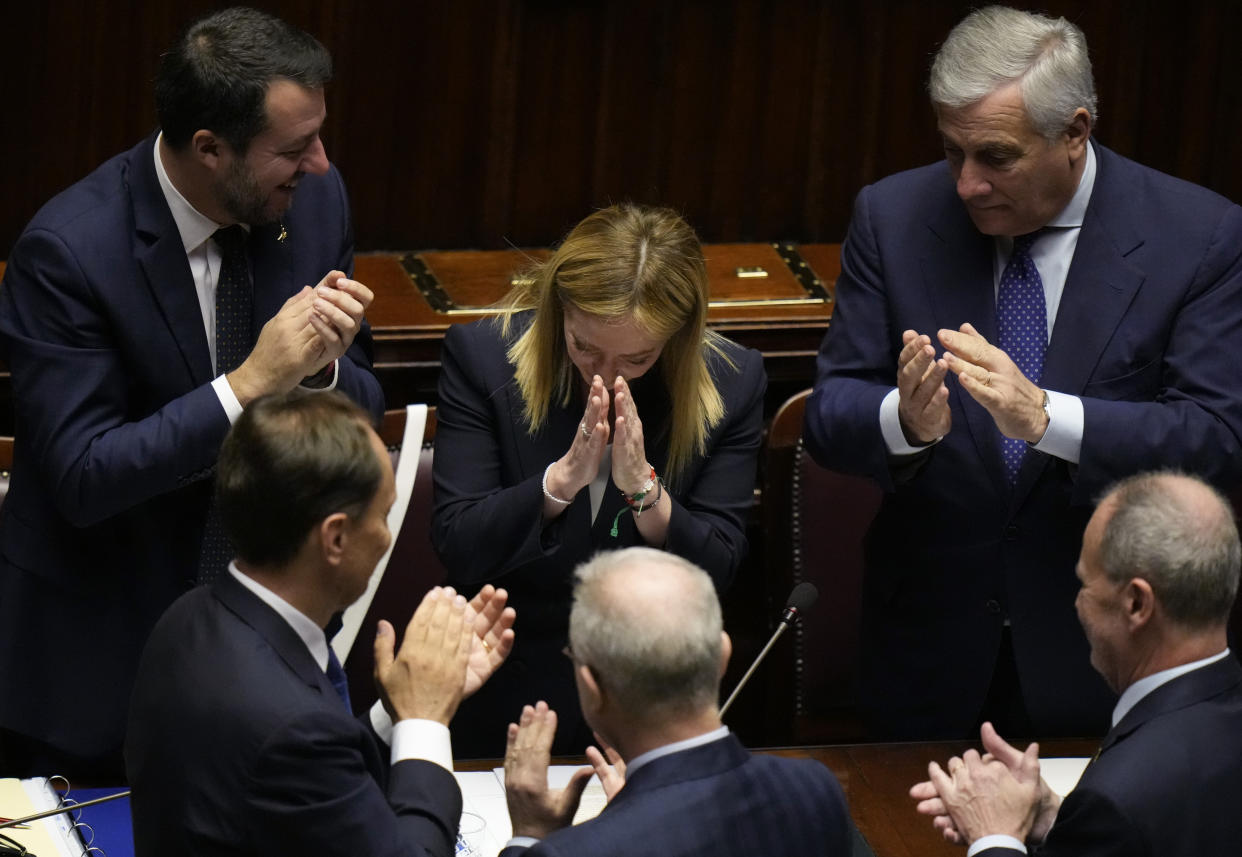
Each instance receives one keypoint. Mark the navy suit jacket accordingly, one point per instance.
(118, 430)
(488, 520)
(238, 745)
(716, 799)
(1146, 335)
(1168, 778)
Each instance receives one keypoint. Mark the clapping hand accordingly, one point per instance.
(923, 398)
(630, 470)
(534, 809)
(578, 467)
(492, 623)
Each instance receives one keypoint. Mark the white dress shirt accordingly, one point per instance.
(196, 230)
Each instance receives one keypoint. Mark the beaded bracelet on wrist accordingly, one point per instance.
(549, 494)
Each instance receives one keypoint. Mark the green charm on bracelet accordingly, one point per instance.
(635, 501)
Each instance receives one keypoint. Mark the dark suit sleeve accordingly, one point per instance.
(1178, 402)
(481, 527)
(71, 382)
(857, 364)
(1090, 825)
(356, 375)
(707, 524)
(311, 793)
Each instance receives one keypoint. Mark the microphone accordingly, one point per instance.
(800, 601)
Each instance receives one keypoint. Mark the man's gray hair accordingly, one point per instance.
(996, 46)
(1177, 533)
(656, 649)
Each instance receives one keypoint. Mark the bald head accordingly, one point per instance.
(648, 624)
(1177, 533)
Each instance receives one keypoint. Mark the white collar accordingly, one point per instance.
(194, 226)
(1135, 692)
(676, 747)
(1072, 215)
(305, 627)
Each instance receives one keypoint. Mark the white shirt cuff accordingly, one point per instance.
(890, 427)
(422, 739)
(995, 840)
(1063, 437)
(521, 842)
(228, 399)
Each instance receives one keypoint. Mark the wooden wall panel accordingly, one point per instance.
(480, 123)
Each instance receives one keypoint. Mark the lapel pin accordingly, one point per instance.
(284, 233)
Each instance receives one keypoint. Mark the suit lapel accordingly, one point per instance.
(958, 274)
(1100, 286)
(1182, 692)
(271, 268)
(161, 255)
(275, 630)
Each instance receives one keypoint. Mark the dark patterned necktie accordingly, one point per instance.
(336, 675)
(1022, 330)
(234, 301)
(234, 340)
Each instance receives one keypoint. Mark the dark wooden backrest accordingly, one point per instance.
(815, 521)
(412, 569)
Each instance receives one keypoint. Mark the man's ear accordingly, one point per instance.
(1139, 601)
(207, 148)
(1077, 133)
(726, 652)
(333, 537)
(592, 693)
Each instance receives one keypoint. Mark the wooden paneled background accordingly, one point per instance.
(480, 123)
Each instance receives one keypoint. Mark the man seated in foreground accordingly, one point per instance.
(649, 650)
(1158, 573)
(241, 739)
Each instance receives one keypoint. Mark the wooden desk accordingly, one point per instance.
(876, 779)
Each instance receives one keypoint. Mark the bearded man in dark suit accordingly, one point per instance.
(141, 310)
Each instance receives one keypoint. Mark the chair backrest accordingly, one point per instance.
(6, 466)
(413, 567)
(815, 522)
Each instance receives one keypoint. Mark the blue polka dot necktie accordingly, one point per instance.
(336, 675)
(1022, 330)
(234, 340)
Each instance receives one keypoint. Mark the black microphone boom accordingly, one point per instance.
(800, 601)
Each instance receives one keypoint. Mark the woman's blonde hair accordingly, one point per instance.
(624, 262)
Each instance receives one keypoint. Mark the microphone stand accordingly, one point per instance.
(780, 629)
